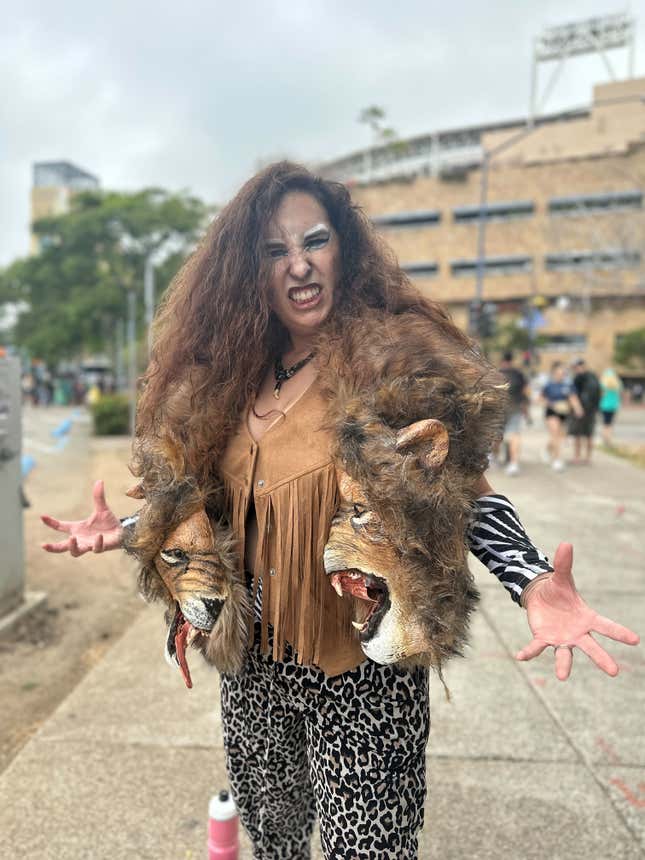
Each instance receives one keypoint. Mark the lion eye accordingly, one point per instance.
(174, 556)
(359, 510)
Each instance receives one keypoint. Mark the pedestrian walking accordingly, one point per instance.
(517, 410)
(560, 401)
(581, 426)
(28, 386)
(636, 393)
(611, 390)
(292, 270)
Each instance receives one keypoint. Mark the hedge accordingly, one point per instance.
(111, 415)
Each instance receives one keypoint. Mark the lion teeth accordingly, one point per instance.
(194, 633)
(359, 626)
(355, 576)
(338, 588)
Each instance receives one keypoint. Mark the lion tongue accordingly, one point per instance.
(356, 587)
(180, 646)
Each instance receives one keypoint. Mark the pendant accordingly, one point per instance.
(281, 374)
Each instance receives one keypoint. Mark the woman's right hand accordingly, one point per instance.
(101, 531)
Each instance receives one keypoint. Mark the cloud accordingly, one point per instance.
(194, 94)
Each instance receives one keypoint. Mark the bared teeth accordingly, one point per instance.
(194, 633)
(338, 588)
(303, 294)
(359, 626)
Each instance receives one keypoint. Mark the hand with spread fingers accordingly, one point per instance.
(560, 618)
(101, 531)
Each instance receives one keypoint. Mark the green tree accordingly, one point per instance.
(75, 288)
(383, 136)
(374, 117)
(513, 337)
(630, 349)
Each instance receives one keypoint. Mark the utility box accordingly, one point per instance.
(12, 573)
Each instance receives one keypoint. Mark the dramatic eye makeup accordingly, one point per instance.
(314, 238)
(317, 237)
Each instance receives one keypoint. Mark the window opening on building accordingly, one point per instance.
(492, 266)
(494, 211)
(585, 204)
(419, 218)
(421, 269)
(605, 259)
(565, 343)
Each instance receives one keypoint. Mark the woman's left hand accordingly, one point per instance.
(558, 616)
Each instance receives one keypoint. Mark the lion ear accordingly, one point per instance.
(136, 492)
(430, 436)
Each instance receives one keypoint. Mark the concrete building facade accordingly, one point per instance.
(54, 184)
(564, 219)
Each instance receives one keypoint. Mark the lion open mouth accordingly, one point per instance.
(181, 635)
(372, 598)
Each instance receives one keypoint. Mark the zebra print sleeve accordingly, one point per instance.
(497, 538)
(128, 524)
(131, 520)
(257, 606)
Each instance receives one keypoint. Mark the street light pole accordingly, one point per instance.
(487, 157)
(119, 346)
(132, 354)
(481, 227)
(149, 295)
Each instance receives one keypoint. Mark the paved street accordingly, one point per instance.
(521, 766)
(49, 457)
(630, 425)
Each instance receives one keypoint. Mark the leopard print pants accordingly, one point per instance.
(348, 749)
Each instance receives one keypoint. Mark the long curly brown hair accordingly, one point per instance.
(215, 334)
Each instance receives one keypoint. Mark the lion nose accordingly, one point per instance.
(213, 606)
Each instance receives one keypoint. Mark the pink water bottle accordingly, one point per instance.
(223, 841)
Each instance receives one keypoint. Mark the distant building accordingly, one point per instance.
(55, 182)
(564, 218)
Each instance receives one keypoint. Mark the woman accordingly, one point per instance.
(560, 401)
(325, 732)
(611, 388)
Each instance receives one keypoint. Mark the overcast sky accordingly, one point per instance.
(193, 94)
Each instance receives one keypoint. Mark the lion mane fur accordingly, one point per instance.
(171, 497)
(379, 373)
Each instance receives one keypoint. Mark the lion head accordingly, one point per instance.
(208, 604)
(192, 567)
(396, 610)
(414, 417)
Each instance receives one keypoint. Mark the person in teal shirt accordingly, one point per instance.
(611, 388)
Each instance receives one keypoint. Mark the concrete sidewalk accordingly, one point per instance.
(520, 765)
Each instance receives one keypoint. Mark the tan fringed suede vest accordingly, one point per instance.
(290, 477)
